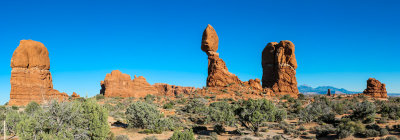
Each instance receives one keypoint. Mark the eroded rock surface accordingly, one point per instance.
(30, 75)
(172, 90)
(279, 68)
(218, 74)
(118, 84)
(375, 89)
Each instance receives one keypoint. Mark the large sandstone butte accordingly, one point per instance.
(279, 68)
(218, 74)
(30, 75)
(375, 89)
(118, 84)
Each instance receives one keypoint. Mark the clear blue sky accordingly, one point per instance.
(338, 42)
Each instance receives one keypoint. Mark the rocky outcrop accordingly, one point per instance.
(117, 84)
(30, 75)
(218, 74)
(172, 90)
(279, 68)
(375, 89)
(75, 95)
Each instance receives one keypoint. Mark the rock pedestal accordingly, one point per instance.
(218, 74)
(279, 68)
(375, 89)
(30, 75)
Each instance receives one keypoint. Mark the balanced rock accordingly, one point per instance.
(218, 74)
(172, 90)
(279, 68)
(30, 75)
(375, 89)
(118, 84)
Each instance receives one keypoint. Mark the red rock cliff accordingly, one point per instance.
(375, 89)
(30, 75)
(279, 68)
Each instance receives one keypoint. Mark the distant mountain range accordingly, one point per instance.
(305, 89)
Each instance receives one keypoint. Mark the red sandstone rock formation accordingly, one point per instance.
(279, 68)
(118, 84)
(375, 89)
(30, 75)
(75, 95)
(172, 90)
(218, 74)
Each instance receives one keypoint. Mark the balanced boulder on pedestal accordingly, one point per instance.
(218, 74)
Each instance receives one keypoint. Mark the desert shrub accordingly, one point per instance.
(185, 135)
(391, 138)
(169, 105)
(122, 137)
(221, 113)
(147, 116)
(252, 113)
(383, 132)
(324, 130)
(12, 118)
(371, 133)
(364, 110)
(99, 97)
(32, 107)
(14, 107)
(390, 110)
(301, 97)
(149, 98)
(196, 106)
(319, 110)
(347, 126)
(344, 134)
(383, 120)
(150, 138)
(68, 120)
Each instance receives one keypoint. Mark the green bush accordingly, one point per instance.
(147, 116)
(196, 106)
(391, 138)
(15, 107)
(69, 120)
(324, 130)
(364, 111)
(319, 110)
(347, 126)
(150, 138)
(32, 107)
(221, 113)
(169, 105)
(252, 113)
(122, 137)
(185, 135)
(99, 97)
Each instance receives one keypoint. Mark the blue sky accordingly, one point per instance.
(339, 43)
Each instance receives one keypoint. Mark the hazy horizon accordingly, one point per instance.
(337, 43)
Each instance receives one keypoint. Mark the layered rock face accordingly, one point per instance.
(279, 68)
(375, 89)
(218, 74)
(172, 90)
(118, 84)
(75, 95)
(30, 75)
